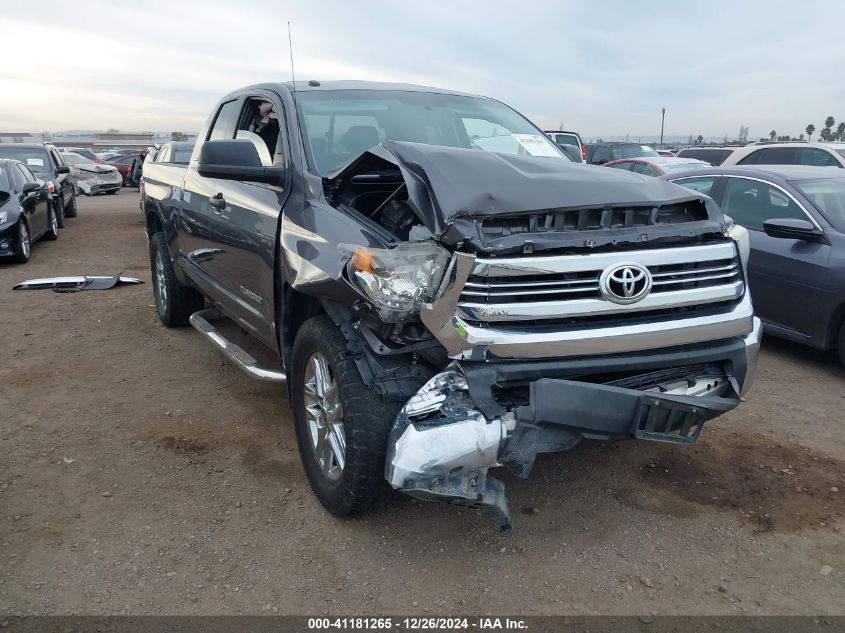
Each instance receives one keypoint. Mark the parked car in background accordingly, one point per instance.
(125, 165)
(178, 153)
(48, 165)
(796, 153)
(82, 151)
(665, 152)
(569, 142)
(26, 211)
(712, 155)
(795, 217)
(91, 178)
(657, 166)
(104, 156)
(601, 153)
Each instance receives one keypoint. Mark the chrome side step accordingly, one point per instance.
(238, 356)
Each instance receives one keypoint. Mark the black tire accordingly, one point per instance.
(70, 209)
(366, 421)
(52, 233)
(175, 303)
(59, 210)
(111, 193)
(24, 243)
(842, 343)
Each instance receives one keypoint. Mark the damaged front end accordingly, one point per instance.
(512, 306)
(466, 420)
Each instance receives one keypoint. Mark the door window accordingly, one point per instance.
(751, 202)
(601, 155)
(817, 157)
(221, 121)
(259, 123)
(701, 185)
(164, 155)
(19, 178)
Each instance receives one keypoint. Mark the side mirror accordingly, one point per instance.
(32, 187)
(64, 169)
(236, 159)
(789, 228)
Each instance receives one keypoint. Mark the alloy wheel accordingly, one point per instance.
(324, 415)
(23, 235)
(161, 283)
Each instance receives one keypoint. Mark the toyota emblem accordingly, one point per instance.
(625, 283)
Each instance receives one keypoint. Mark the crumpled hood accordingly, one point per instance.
(97, 169)
(447, 185)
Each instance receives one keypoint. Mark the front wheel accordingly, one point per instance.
(52, 224)
(341, 423)
(59, 212)
(24, 249)
(175, 303)
(70, 209)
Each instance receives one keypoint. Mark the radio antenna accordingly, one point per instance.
(290, 48)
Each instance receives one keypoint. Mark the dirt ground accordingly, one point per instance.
(140, 473)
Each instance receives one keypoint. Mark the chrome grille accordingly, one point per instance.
(552, 288)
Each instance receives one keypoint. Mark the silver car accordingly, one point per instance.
(90, 178)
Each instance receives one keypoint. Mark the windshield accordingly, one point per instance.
(36, 159)
(340, 124)
(76, 159)
(828, 196)
(841, 152)
(632, 151)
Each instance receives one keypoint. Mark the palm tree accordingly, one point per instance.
(810, 129)
(699, 139)
(773, 135)
(829, 122)
(840, 132)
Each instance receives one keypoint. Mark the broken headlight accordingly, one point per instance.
(397, 280)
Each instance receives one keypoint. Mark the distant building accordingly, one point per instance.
(19, 137)
(105, 140)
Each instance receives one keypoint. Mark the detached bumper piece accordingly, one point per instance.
(441, 446)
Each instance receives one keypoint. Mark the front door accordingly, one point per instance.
(786, 276)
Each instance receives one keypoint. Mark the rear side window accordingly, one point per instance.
(164, 155)
(701, 185)
(771, 156)
(817, 157)
(222, 120)
(566, 139)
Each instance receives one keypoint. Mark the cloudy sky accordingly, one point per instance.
(603, 68)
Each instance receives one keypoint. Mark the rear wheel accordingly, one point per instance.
(341, 423)
(24, 249)
(175, 303)
(52, 224)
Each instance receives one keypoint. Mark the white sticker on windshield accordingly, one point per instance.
(536, 145)
(35, 162)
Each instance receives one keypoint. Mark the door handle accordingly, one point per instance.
(217, 201)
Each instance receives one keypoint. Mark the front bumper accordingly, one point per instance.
(455, 428)
(93, 187)
(8, 238)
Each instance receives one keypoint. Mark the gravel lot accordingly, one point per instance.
(140, 473)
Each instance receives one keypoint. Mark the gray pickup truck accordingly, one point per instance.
(447, 292)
